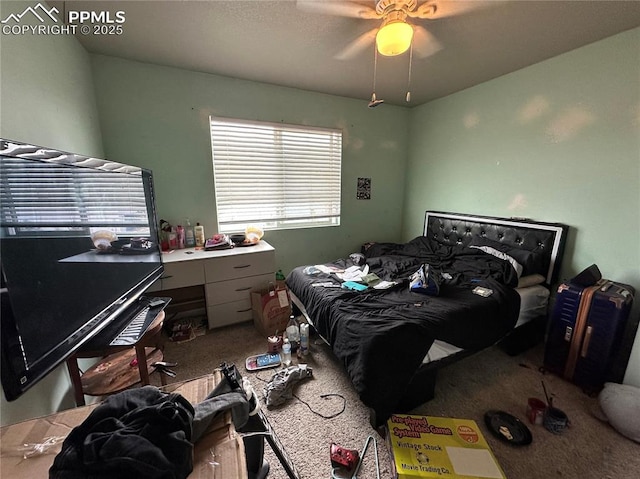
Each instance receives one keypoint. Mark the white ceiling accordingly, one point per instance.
(276, 42)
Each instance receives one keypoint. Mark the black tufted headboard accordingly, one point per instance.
(547, 239)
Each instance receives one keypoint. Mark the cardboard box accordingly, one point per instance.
(219, 454)
(426, 446)
(271, 308)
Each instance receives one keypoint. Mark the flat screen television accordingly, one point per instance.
(78, 248)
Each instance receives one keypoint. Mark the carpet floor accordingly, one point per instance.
(326, 409)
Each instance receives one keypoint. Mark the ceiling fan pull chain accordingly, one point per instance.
(375, 71)
(408, 97)
(374, 102)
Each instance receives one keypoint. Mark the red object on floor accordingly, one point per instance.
(342, 457)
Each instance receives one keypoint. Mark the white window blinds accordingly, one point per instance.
(275, 175)
(44, 198)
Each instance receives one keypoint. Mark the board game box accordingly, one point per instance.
(426, 446)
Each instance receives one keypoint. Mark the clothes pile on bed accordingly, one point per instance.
(382, 335)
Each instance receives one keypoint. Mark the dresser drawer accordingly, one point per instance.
(234, 289)
(239, 266)
(181, 274)
(229, 313)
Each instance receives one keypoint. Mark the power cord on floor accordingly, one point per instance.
(322, 396)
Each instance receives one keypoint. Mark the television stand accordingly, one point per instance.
(121, 366)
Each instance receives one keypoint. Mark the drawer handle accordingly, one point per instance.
(166, 277)
(244, 289)
(242, 266)
(243, 310)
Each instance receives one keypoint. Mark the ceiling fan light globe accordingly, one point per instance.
(394, 38)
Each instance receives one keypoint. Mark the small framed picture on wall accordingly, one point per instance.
(364, 189)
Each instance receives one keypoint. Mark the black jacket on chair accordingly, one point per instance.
(139, 433)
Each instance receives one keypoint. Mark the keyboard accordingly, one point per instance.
(136, 328)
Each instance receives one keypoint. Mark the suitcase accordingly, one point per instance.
(586, 330)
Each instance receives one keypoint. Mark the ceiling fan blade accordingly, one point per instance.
(357, 46)
(424, 43)
(341, 8)
(434, 9)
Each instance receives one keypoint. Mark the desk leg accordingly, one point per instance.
(74, 374)
(142, 364)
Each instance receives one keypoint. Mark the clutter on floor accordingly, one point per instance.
(280, 388)
(164, 368)
(263, 361)
(508, 428)
(426, 446)
(187, 329)
(181, 450)
(258, 427)
(620, 403)
(347, 462)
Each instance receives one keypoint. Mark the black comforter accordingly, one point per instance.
(381, 336)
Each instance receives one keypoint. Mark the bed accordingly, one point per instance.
(393, 341)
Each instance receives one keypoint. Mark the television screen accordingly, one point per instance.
(78, 247)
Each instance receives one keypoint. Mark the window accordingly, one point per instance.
(274, 175)
(46, 198)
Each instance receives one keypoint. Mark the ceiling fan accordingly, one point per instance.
(395, 35)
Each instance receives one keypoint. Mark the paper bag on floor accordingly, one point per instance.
(271, 308)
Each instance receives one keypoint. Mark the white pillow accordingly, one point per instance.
(530, 280)
(503, 256)
(621, 404)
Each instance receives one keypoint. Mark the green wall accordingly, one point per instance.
(158, 117)
(46, 98)
(46, 93)
(558, 141)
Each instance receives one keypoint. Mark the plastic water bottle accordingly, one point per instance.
(189, 235)
(286, 352)
(304, 339)
(293, 333)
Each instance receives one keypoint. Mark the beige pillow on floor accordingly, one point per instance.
(621, 405)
